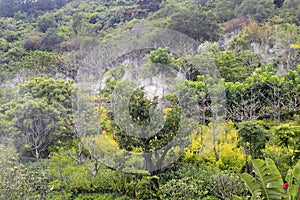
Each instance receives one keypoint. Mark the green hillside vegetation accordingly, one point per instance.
(56, 132)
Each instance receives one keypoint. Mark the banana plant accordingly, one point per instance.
(267, 183)
(293, 178)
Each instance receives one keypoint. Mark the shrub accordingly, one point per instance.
(100, 197)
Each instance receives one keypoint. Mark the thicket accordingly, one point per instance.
(255, 46)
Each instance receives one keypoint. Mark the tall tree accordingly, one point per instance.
(42, 114)
(252, 138)
(39, 125)
(195, 24)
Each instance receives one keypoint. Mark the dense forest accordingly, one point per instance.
(149, 99)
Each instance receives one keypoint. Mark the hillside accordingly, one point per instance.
(149, 99)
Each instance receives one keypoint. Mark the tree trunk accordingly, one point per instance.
(148, 161)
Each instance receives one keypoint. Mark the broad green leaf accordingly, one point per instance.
(237, 197)
(296, 172)
(252, 185)
(269, 178)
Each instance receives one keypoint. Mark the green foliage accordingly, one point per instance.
(33, 41)
(187, 181)
(268, 183)
(252, 137)
(45, 22)
(281, 157)
(196, 181)
(100, 197)
(288, 11)
(184, 188)
(210, 198)
(257, 9)
(66, 175)
(293, 178)
(195, 24)
(225, 185)
(41, 63)
(288, 136)
(17, 181)
(51, 39)
(54, 91)
(225, 10)
(258, 59)
(8, 8)
(38, 124)
(160, 56)
(236, 66)
(3, 45)
(42, 114)
(139, 109)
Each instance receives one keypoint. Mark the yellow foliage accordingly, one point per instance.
(230, 158)
(202, 148)
(167, 111)
(102, 144)
(295, 46)
(104, 118)
(194, 149)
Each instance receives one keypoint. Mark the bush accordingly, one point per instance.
(185, 188)
(210, 198)
(100, 197)
(225, 185)
(187, 181)
(160, 56)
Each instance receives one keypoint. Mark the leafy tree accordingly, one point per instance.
(51, 39)
(243, 100)
(45, 22)
(63, 170)
(8, 8)
(195, 24)
(252, 138)
(38, 124)
(204, 101)
(33, 41)
(257, 9)
(149, 5)
(274, 95)
(236, 66)
(41, 63)
(225, 9)
(77, 23)
(54, 91)
(3, 45)
(160, 56)
(292, 84)
(289, 137)
(286, 35)
(288, 11)
(139, 108)
(43, 114)
(18, 181)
